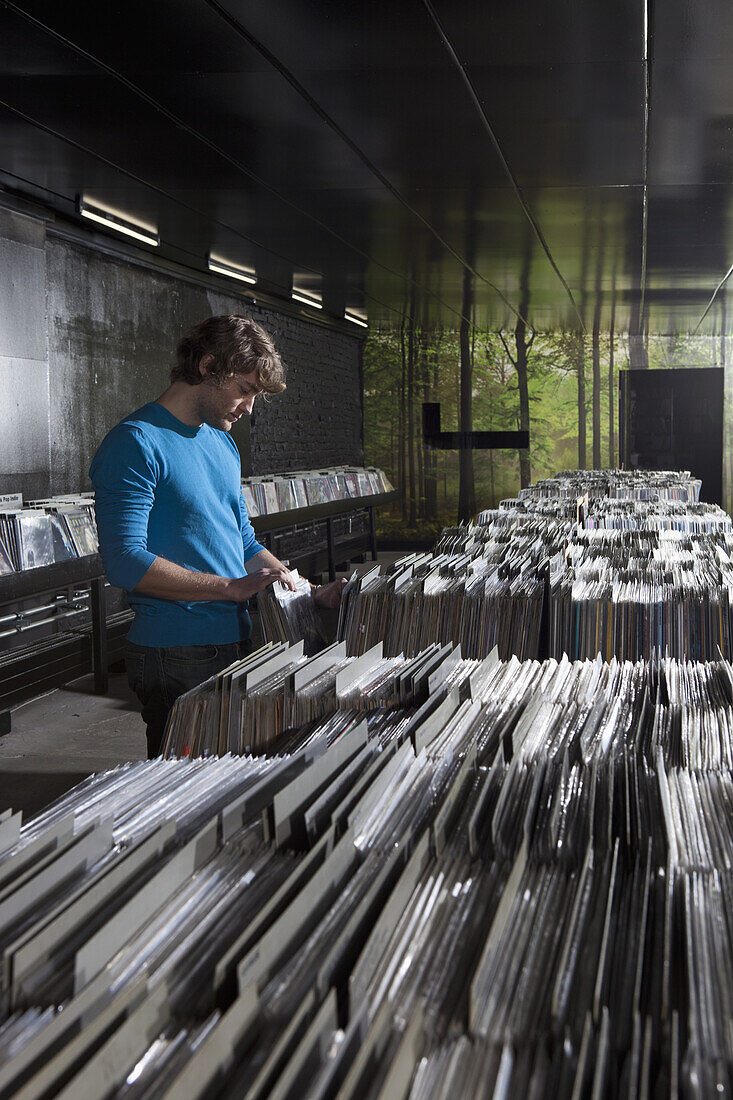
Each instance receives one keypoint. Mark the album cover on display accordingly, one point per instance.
(82, 531)
(6, 563)
(35, 536)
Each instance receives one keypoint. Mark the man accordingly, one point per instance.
(173, 527)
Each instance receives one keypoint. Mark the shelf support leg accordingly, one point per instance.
(99, 636)
(331, 550)
(373, 531)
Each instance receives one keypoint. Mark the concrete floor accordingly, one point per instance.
(60, 738)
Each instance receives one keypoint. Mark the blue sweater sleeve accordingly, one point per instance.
(124, 474)
(250, 545)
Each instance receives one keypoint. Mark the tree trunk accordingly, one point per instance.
(412, 511)
(520, 338)
(466, 486)
(422, 372)
(638, 351)
(580, 349)
(597, 355)
(728, 441)
(580, 367)
(611, 379)
(431, 456)
(401, 467)
(488, 352)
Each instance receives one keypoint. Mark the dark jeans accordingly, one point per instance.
(159, 676)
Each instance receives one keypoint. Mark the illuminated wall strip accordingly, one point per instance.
(244, 275)
(306, 299)
(355, 320)
(111, 221)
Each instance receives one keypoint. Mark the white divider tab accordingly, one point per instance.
(280, 1054)
(358, 668)
(297, 1074)
(37, 944)
(108, 1067)
(437, 677)
(98, 950)
(275, 905)
(376, 791)
(74, 1054)
(9, 830)
(477, 678)
(301, 791)
(380, 935)
(318, 664)
(436, 722)
(83, 853)
(218, 1051)
(272, 665)
(396, 1084)
(300, 915)
(50, 838)
(256, 799)
(443, 818)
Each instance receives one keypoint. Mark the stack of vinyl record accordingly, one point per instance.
(250, 706)
(302, 488)
(472, 602)
(618, 484)
(629, 569)
(45, 532)
(629, 593)
(522, 888)
(288, 615)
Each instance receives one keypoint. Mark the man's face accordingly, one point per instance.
(222, 404)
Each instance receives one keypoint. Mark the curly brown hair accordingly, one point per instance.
(236, 345)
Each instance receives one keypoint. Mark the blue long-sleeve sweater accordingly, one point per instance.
(165, 489)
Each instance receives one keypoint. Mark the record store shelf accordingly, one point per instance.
(323, 532)
(51, 618)
(54, 627)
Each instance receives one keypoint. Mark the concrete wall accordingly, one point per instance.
(25, 460)
(86, 337)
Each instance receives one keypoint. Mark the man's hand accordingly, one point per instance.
(244, 588)
(328, 595)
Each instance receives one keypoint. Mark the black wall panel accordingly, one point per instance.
(673, 420)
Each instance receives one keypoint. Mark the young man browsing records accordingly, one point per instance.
(173, 527)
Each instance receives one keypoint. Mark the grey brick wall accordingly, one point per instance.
(317, 421)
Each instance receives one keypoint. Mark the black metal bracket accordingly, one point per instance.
(466, 441)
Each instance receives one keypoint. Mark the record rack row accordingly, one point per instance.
(616, 563)
(420, 875)
(54, 596)
(518, 881)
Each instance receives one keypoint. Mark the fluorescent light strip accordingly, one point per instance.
(355, 320)
(300, 296)
(118, 226)
(232, 272)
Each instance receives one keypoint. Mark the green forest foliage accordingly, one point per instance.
(428, 481)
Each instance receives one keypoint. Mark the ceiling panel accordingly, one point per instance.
(342, 140)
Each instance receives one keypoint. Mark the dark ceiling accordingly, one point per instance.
(581, 147)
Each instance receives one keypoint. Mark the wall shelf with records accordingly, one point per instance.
(53, 599)
(318, 520)
(301, 489)
(56, 624)
(515, 882)
(321, 537)
(44, 532)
